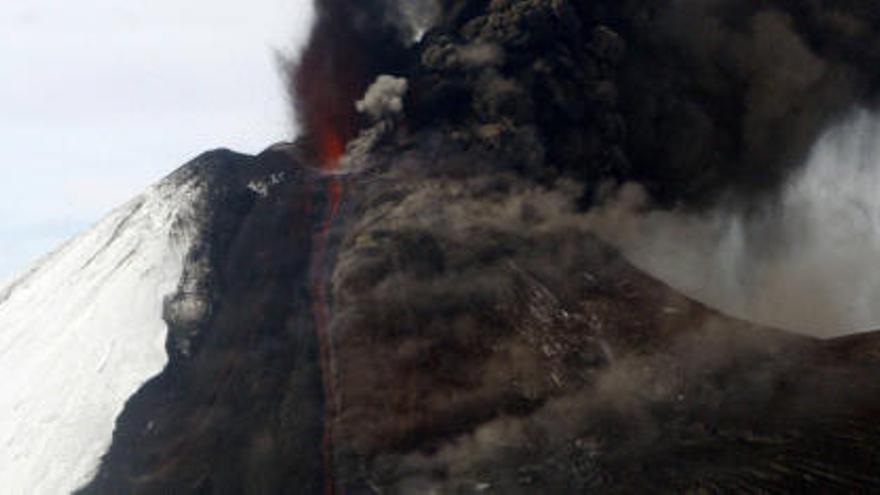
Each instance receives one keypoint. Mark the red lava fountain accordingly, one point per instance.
(330, 76)
(330, 147)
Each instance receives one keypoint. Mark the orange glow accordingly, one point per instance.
(330, 147)
(330, 150)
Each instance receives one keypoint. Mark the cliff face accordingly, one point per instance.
(438, 314)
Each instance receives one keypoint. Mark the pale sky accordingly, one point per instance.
(100, 98)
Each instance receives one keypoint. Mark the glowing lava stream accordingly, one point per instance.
(331, 150)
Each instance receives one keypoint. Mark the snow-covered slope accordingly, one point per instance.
(82, 331)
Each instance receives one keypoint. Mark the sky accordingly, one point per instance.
(101, 98)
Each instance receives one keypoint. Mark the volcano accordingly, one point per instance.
(418, 295)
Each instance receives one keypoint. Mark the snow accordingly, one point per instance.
(80, 333)
(262, 187)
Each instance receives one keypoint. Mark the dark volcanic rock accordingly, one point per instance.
(239, 406)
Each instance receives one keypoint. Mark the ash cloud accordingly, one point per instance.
(486, 336)
(471, 292)
(725, 94)
(797, 260)
(351, 43)
(435, 279)
(588, 439)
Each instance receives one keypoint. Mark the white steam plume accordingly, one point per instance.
(384, 98)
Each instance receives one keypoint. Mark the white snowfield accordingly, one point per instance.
(81, 332)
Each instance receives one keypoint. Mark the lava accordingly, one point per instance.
(331, 149)
(333, 71)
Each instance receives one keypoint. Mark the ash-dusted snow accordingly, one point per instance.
(81, 332)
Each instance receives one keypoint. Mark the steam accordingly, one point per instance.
(803, 261)
(384, 98)
(418, 16)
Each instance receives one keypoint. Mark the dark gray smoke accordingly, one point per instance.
(351, 43)
(725, 93)
(692, 98)
(798, 261)
(472, 298)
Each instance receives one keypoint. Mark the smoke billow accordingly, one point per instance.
(732, 94)
(799, 261)
(484, 335)
(693, 99)
(474, 304)
(351, 43)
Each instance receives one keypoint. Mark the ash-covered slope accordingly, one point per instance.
(82, 330)
(481, 340)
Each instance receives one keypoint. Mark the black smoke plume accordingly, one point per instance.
(733, 93)
(351, 43)
(692, 98)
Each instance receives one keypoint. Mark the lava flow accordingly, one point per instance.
(332, 73)
(331, 149)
